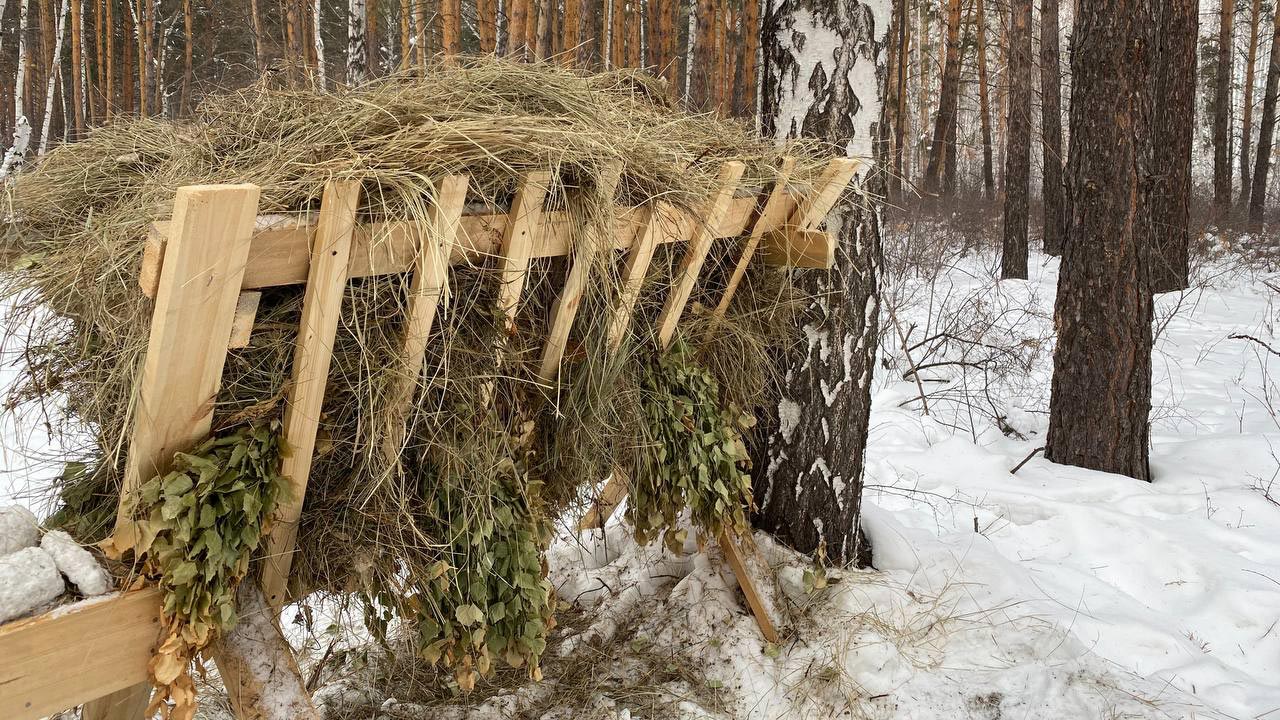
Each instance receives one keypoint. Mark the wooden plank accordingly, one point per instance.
(242, 323)
(633, 273)
(321, 306)
(603, 507)
(791, 246)
(835, 178)
(566, 308)
(769, 214)
(696, 254)
(280, 251)
(199, 286)
(96, 648)
(518, 240)
(738, 562)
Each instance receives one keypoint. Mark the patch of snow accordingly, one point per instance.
(78, 564)
(29, 578)
(19, 529)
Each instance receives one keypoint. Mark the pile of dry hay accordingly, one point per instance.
(450, 531)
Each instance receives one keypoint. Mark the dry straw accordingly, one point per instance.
(417, 527)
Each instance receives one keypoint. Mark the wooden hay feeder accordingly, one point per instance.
(204, 269)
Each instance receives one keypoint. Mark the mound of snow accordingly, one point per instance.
(29, 578)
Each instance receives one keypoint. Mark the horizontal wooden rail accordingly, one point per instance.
(280, 251)
(58, 660)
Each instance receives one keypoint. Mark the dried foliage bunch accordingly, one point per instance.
(440, 513)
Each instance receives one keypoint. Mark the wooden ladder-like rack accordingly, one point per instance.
(204, 269)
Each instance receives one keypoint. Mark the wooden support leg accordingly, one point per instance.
(128, 704)
(321, 306)
(615, 491)
(747, 581)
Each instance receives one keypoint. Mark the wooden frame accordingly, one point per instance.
(203, 269)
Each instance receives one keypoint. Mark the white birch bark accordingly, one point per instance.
(357, 21)
(315, 11)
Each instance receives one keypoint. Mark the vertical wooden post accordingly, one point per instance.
(326, 283)
(638, 259)
(773, 206)
(191, 322)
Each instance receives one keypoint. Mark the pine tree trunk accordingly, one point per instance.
(55, 65)
(945, 121)
(451, 27)
(1246, 125)
(1266, 133)
(1168, 189)
(1017, 169)
(187, 40)
(572, 31)
(984, 105)
(113, 101)
(1101, 398)
(1052, 191)
(357, 70)
(77, 68)
(808, 476)
(1221, 114)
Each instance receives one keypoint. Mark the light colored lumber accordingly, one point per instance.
(242, 323)
(95, 649)
(199, 286)
(321, 307)
(280, 251)
(738, 561)
(696, 254)
(813, 208)
(769, 215)
(602, 508)
(518, 240)
(791, 246)
(584, 259)
(633, 273)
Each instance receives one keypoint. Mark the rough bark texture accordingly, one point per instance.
(1017, 168)
(1098, 413)
(984, 105)
(936, 179)
(824, 77)
(1055, 199)
(1222, 113)
(902, 58)
(1168, 196)
(357, 70)
(257, 665)
(1266, 133)
(1246, 114)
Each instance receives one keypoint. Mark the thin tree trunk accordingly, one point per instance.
(319, 43)
(1221, 114)
(112, 101)
(406, 46)
(902, 56)
(546, 18)
(945, 120)
(1101, 398)
(1266, 134)
(1013, 261)
(1246, 128)
(187, 40)
(77, 68)
(1053, 192)
(808, 476)
(99, 104)
(750, 55)
(51, 85)
(634, 23)
(984, 105)
(1168, 188)
(128, 73)
(16, 154)
(357, 57)
(487, 24)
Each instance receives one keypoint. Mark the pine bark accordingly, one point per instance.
(808, 475)
(1101, 397)
(1168, 188)
(1017, 169)
(1053, 192)
(984, 105)
(902, 57)
(936, 180)
(1222, 114)
(188, 20)
(77, 67)
(1266, 134)
(1246, 116)
(487, 25)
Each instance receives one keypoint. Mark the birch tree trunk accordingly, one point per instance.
(55, 71)
(824, 78)
(357, 70)
(319, 43)
(1101, 398)
(17, 152)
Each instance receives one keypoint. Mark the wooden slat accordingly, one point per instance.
(791, 246)
(321, 306)
(72, 655)
(770, 214)
(195, 304)
(242, 323)
(633, 273)
(830, 186)
(279, 254)
(603, 507)
(518, 240)
(696, 254)
(566, 308)
(738, 562)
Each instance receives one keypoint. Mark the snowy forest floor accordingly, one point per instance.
(1054, 592)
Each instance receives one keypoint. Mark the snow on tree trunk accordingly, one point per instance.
(257, 665)
(824, 78)
(56, 64)
(356, 23)
(14, 156)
